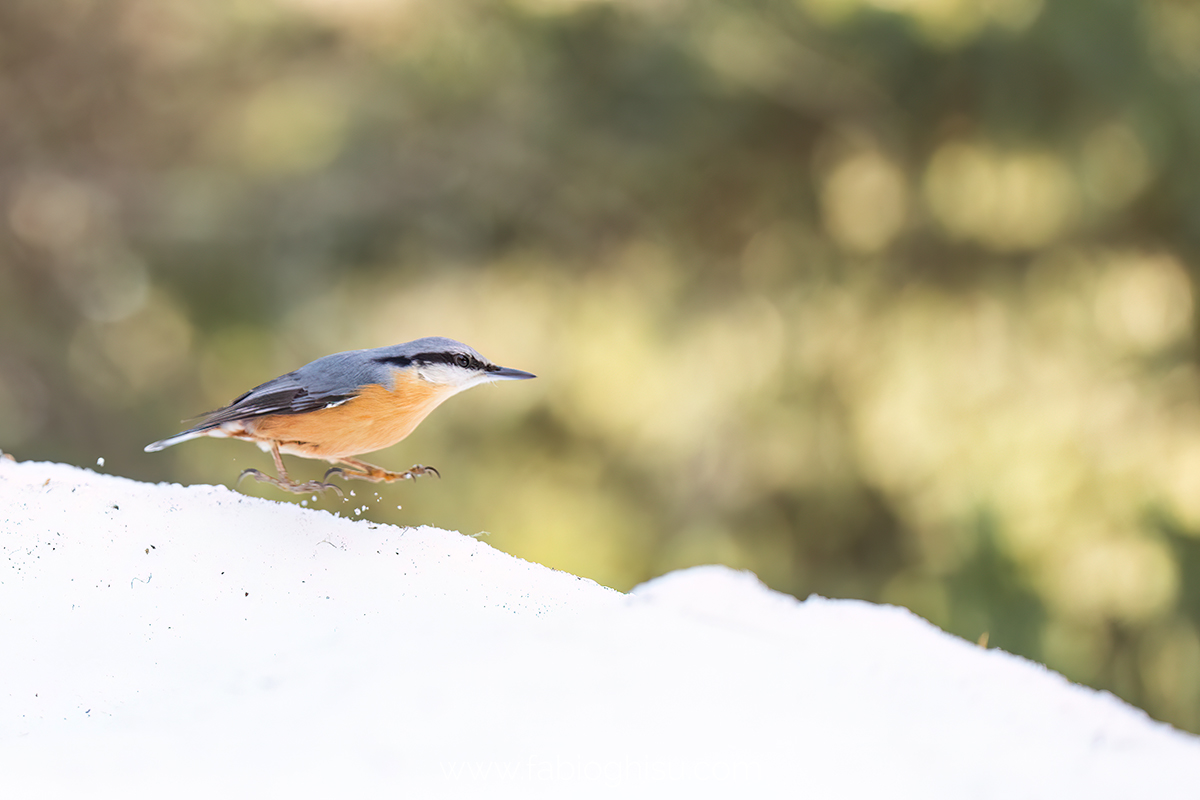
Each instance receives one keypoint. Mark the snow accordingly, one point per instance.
(160, 640)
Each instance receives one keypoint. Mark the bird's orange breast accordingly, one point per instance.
(374, 419)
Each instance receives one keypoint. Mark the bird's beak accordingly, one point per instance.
(509, 374)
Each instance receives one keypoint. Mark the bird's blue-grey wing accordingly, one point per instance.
(323, 383)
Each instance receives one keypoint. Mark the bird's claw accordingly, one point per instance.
(289, 485)
(319, 486)
(377, 475)
(414, 472)
(258, 476)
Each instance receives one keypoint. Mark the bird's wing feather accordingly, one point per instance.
(291, 400)
(325, 382)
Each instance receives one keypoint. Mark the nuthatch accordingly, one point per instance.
(346, 404)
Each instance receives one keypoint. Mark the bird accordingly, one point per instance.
(346, 404)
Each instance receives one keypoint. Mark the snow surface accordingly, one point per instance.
(175, 641)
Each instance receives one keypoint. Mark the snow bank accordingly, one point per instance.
(193, 642)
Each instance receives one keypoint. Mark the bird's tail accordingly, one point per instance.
(154, 447)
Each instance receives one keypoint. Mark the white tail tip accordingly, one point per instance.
(154, 447)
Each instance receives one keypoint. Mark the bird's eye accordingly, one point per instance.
(462, 361)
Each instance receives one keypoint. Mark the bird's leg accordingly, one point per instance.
(284, 481)
(369, 472)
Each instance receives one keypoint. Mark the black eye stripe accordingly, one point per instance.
(434, 358)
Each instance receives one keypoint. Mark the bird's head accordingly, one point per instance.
(449, 364)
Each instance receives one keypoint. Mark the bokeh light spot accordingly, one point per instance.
(1116, 166)
(291, 128)
(864, 202)
(1144, 302)
(1007, 201)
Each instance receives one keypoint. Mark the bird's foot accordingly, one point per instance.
(378, 475)
(289, 485)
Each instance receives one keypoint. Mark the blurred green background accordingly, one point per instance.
(885, 299)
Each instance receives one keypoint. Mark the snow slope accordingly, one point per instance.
(192, 642)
